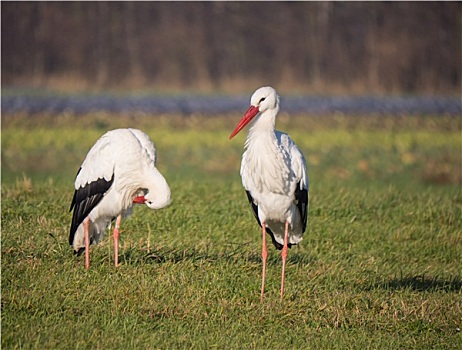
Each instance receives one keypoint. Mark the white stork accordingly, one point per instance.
(119, 170)
(274, 175)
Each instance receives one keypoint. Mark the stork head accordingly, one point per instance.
(155, 193)
(159, 200)
(262, 100)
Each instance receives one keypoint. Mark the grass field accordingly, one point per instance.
(379, 267)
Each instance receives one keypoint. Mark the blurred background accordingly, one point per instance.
(327, 48)
(338, 66)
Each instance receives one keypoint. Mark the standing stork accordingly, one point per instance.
(119, 170)
(274, 176)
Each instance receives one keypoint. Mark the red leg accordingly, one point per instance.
(284, 257)
(264, 255)
(116, 240)
(86, 228)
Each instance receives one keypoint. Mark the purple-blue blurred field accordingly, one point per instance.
(186, 104)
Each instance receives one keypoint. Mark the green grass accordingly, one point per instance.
(379, 267)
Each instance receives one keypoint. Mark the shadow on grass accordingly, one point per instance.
(235, 256)
(421, 283)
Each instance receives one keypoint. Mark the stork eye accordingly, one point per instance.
(262, 99)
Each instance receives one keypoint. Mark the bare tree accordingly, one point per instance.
(321, 46)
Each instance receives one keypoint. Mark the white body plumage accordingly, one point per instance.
(272, 167)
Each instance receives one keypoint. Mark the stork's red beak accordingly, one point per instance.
(139, 200)
(248, 116)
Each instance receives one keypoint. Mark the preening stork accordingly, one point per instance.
(274, 176)
(119, 170)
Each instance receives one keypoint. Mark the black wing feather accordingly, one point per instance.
(85, 199)
(301, 196)
(268, 230)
